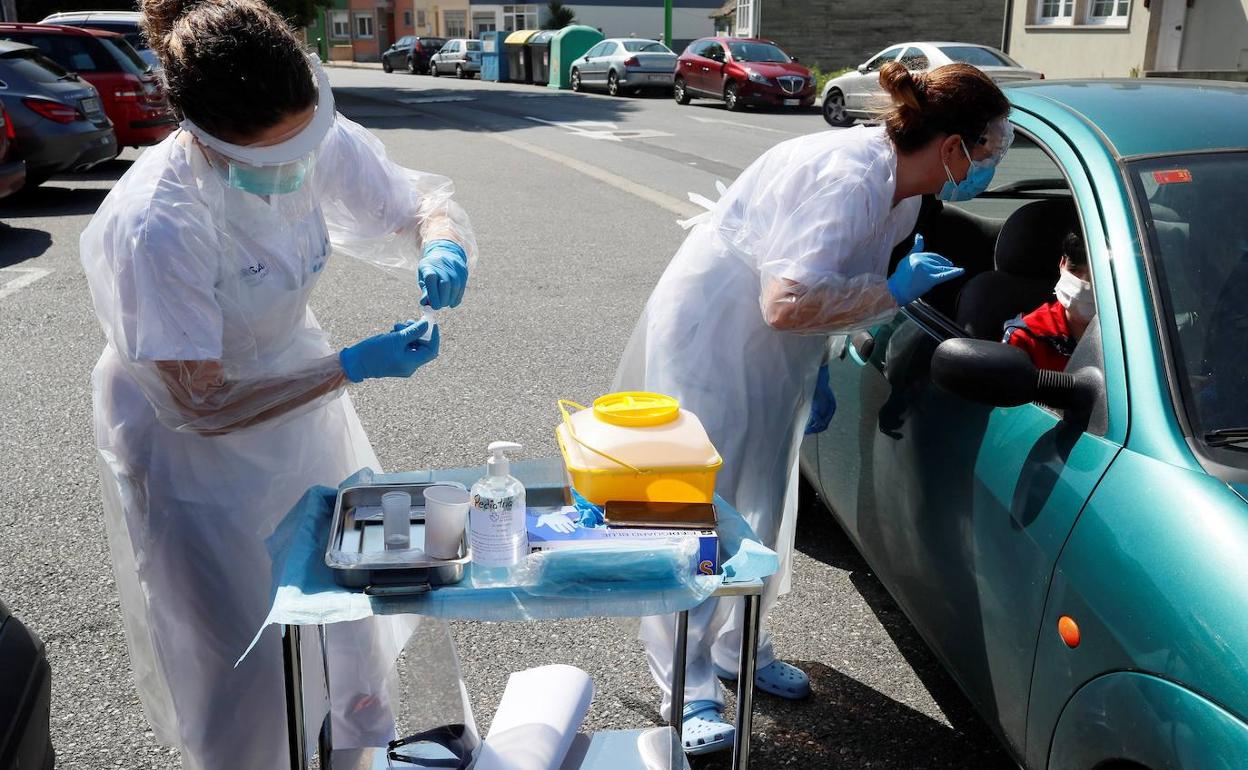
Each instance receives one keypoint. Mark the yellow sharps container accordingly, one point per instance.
(637, 446)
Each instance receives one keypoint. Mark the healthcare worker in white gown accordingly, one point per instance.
(218, 400)
(797, 249)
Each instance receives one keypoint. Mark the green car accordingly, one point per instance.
(1073, 545)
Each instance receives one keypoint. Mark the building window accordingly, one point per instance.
(1109, 12)
(745, 17)
(483, 22)
(519, 17)
(420, 19)
(364, 26)
(1055, 11)
(407, 18)
(456, 23)
(340, 25)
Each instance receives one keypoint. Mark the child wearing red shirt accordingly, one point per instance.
(1050, 332)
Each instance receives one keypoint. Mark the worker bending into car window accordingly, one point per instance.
(1050, 332)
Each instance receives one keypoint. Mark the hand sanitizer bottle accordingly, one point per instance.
(496, 521)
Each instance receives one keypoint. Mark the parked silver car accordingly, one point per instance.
(624, 64)
(858, 95)
(460, 55)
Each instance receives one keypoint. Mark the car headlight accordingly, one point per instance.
(758, 77)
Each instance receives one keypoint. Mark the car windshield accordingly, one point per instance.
(1196, 217)
(645, 46)
(980, 57)
(474, 45)
(758, 52)
(33, 66)
(126, 56)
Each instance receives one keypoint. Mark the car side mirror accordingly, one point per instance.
(862, 69)
(998, 374)
(794, 59)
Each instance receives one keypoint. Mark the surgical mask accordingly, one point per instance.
(1075, 294)
(275, 169)
(978, 177)
(268, 180)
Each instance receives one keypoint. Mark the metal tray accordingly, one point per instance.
(356, 551)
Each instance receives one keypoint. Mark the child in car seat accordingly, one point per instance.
(1050, 332)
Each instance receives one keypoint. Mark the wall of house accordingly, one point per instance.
(1215, 36)
(1078, 50)
(690, 19)
(848, 32)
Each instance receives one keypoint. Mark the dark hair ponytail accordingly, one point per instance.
(233, 67)
(954, 99)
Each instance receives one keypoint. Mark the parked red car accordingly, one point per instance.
(131, 94)
(741, 72)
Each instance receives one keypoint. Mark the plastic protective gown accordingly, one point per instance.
(795, 250)
(218, 402)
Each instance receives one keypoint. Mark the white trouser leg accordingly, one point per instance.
(658, 633)
(726, 649)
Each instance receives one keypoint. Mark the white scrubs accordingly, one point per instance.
(808, 228)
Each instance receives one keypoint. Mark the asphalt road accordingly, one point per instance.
(575, 200)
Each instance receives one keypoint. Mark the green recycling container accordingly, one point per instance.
(568, 45)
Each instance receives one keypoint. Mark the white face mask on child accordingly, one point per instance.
(1076, 296)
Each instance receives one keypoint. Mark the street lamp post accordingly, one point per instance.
(667, 23)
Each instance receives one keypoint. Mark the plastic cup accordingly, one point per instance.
(446, 516)
(396, 512)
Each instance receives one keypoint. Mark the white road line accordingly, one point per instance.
(600, 129)
(32, 274)
(680, 208)
(437, 99)
(750, 126)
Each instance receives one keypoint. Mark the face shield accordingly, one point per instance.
(275, 169)
(996, 139)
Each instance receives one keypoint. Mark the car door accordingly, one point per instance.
(598, 64)
(960, 508)
(688, 64)
(711, 69)
(865, 86)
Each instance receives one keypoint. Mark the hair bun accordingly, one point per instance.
(159, 16)
(899, 84)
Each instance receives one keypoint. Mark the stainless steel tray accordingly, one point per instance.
(356, 550)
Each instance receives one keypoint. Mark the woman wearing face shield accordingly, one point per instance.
(218, 400)
(797, 249)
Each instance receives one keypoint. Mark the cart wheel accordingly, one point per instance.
(732, 99)
(613, 84)
(385, 65)
(433, 70)
(411, 65)
(459, 71)
(576, 79)
(679, 92)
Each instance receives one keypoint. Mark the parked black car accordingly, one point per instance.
(412, 53)
(25, 698)
(58, 120)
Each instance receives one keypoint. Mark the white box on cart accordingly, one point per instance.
(545, 538)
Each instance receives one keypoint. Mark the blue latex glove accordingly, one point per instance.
(591, 515)
(823, 406)
(393, 354)
(919, 273)
(442, 274)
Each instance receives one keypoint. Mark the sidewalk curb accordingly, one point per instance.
(359, 65)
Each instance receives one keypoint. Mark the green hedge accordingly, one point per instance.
(822, 77)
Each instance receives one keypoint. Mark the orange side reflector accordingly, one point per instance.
(1173, 176)
(1068, 629)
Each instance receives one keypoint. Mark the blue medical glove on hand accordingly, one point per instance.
(823, 406)
(919, 273)
(393, 354)
(442, 274)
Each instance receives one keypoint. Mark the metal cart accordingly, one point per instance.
(537, 475)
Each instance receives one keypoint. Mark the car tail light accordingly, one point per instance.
(131, 91)
(418, 48)
(632, 61)
(53, 110)
(9, 129)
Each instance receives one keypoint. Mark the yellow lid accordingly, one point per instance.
(636, 409)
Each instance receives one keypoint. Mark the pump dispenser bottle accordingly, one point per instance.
(496, 522)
